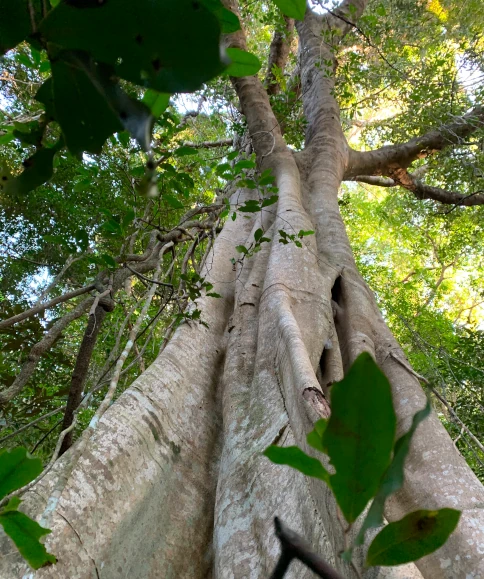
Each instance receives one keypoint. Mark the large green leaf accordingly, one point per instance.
(81, 104)
(359, 435)
(227, 19)
(15, 22)
(156, 101)
(315, 437)
(414, 536)
(292, 8)
(37, 170)
(25, 533)
(392, 480)
(242, 63)
(294, 457)
(164, 45)
(17, 468)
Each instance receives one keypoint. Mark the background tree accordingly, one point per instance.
(183, 443)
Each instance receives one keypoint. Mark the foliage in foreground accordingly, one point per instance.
(358, 440)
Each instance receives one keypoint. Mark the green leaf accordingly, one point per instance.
(250, 206)
(228, 20)
(266, 180)
(25, 533)
(45, 96)
(184, 151)
(17, 468)
(37, 170)
(315, 437)
(359, 435)
(90, 106)
(157, 102)
(258, 234)
(173, 201)
(164, 45)
(292, 8)
(242, 63)
(244, 164)
(270, 201)
(392, 480)
(242, 249)
(294, 457)
(414, 536)
(81, 106)
(108, 260)
(303, 233)
(15, 24)
(214, 295)
(82, 239)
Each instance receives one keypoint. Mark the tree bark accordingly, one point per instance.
(173, 483)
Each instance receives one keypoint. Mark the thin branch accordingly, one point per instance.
(33, 423)
(295, 547)
(474, 439)
(45, 306)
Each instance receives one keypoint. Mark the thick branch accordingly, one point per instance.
(79, 375)
(278, 54)
(388, 159)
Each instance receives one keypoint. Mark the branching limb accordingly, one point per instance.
(386, 160)
(422, 191)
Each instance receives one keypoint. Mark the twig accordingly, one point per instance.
(295, 547)
(48, 415)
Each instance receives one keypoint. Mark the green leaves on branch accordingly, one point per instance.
(358, 439)
(18, 468)
(292, 8)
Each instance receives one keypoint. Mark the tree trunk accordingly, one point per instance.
(173, 483)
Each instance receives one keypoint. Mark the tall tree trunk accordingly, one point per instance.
(173, 483)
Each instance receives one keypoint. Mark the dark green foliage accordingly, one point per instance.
(142, 41)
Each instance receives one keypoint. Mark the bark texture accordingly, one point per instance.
(173, 483)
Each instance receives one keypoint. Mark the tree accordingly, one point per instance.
(170, 481)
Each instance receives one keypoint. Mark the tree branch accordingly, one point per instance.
(421, 190)
(295, 547)
(45, 306)
(278, 54)
(209, 144)
(388, 159)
